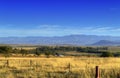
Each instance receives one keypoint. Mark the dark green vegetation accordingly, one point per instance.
(61, 50)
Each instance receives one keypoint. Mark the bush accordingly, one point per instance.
(24, 52)
(106, 54)
(5, 49)
(117, 54)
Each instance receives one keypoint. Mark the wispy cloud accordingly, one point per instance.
(57, 30)
(114, 9)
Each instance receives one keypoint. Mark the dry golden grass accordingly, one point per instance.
(83, 67)
(63, 62)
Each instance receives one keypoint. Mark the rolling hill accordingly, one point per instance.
(106, 43)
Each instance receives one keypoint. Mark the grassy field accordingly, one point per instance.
(58, 67)
(114, 49)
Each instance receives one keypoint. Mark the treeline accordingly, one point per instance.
(49, 50)
(92, 49)
(55, 50)
(69, 48)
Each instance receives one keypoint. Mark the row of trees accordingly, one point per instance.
(53, 50)
(68, 48)
(92, 49)
(47, 50)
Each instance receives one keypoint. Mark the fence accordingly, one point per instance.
(97, 72)
(69, 67)
(97, 75)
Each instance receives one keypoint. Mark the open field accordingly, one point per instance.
(114, 49)
(83, 67)
(58, 62)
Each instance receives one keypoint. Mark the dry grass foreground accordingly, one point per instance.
(58, 67)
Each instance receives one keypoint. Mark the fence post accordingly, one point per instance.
(69, 66)
(7, 63)
(97, 72)
(118, 75)
(30, 63)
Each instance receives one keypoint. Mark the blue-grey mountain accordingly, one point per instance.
(78, 40)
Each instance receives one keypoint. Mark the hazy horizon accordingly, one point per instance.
(23, 18)
(62, 36)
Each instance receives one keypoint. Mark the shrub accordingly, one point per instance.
(106, 54)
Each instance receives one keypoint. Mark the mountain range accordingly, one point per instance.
(76, 40)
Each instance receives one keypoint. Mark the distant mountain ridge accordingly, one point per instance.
(106, 43)
(79, 40)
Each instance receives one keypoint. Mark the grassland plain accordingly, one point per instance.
(74, 67)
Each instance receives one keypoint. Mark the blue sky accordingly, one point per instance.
(59, 17)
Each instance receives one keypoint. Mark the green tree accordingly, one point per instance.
(106, 54)
(37, 52)
(23, 52)
(15, 51)
(47, 54)
(6, 50)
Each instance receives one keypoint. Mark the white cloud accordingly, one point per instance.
(57, 30)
